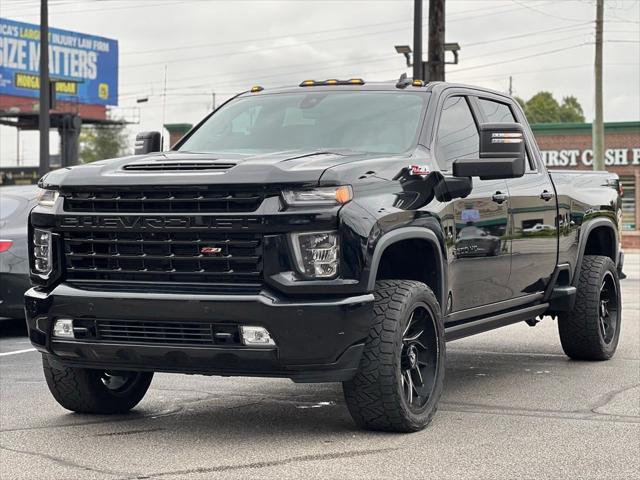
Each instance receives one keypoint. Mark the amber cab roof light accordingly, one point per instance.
(332, 81)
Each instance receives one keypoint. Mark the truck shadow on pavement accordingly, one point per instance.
(271, 409)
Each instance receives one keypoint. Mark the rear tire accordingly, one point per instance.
(401, 373)
(592, 329)
(96, 391)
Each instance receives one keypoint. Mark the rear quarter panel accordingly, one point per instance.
(585, 199)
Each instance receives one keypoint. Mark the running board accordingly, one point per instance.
(467, 329)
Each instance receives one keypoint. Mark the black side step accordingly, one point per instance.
(467, 329)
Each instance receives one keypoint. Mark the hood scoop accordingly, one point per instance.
(178, 166)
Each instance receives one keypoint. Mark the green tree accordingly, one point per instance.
(543, 108)
(101, 142)
(571, 110)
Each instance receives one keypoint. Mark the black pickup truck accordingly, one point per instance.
(335, 231)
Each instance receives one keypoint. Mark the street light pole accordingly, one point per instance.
(418, 73)
(43, 118)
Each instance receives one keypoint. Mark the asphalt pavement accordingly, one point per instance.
(513, 407)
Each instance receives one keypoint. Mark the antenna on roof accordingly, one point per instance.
(403, 81)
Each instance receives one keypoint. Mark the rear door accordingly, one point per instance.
(479, 248)
(532, 210)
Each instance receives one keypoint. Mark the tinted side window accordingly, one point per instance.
(496, 112)
(501, 112)
(457, 133)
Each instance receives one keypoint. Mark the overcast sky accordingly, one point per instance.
(225, 46)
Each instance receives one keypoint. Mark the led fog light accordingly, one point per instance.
(63, 328)
(317, 253)
(256, 336)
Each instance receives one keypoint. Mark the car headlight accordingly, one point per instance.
(318, 196)
(317, 253)
(47, 198)
(42, 261)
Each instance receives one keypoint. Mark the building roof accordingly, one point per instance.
(583, 128)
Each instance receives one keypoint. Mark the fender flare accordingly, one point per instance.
(585, 231)
(408, 233)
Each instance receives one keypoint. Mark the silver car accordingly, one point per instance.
(15, 204)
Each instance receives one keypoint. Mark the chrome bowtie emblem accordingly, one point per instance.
(210, 250)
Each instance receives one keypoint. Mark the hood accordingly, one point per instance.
(178, 168)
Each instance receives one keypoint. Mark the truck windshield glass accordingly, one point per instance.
(378, 122)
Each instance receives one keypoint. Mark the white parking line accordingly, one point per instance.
(15, 352)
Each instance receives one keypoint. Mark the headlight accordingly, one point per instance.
(318, 196)
(47, 198)
(42, 262)
(317, 253)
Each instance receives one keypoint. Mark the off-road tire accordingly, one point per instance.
(375, 396)
(82, 390)
(580, 330)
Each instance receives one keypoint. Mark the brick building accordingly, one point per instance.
(568, 146)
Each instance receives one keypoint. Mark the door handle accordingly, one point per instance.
(546, 195)
(499, 197)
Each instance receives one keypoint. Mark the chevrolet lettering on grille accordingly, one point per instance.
(154, 222)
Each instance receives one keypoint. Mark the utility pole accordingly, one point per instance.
(213, 101)
(18, 147)
(43, 118)
(598, 125)
(164, 108)
(510, 85)
(418, 69)
(436, 40)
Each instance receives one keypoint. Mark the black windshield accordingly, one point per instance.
(363, 121)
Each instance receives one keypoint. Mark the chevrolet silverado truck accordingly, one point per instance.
(334, 231)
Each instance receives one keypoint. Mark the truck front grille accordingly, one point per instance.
(166, 333)
(163, 200)
(182, 257)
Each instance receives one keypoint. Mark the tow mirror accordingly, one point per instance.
(148, 142)
(502, 153)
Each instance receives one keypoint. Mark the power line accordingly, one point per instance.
(548, 52)
(262, 39)
(285, 72)
(542, 12)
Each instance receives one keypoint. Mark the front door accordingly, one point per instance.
(479, 246)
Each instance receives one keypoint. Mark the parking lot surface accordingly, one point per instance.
(513, 407)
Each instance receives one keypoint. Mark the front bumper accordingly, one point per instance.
(316, 340)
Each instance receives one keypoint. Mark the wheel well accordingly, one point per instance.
(412, 259)
(601, 241)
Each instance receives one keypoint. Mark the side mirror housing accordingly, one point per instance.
(450, 188)
(148, 142)
(502, 153)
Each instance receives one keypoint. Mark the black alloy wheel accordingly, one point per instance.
(419, 358)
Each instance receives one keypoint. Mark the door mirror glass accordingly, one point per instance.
(148, 142)
(502, 153)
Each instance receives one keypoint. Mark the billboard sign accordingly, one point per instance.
(85, 67)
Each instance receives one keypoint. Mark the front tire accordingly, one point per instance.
(96, 391)
(592, 329)
(401, 373)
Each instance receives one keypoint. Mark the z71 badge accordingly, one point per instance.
(419, 170)
(210, 250)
